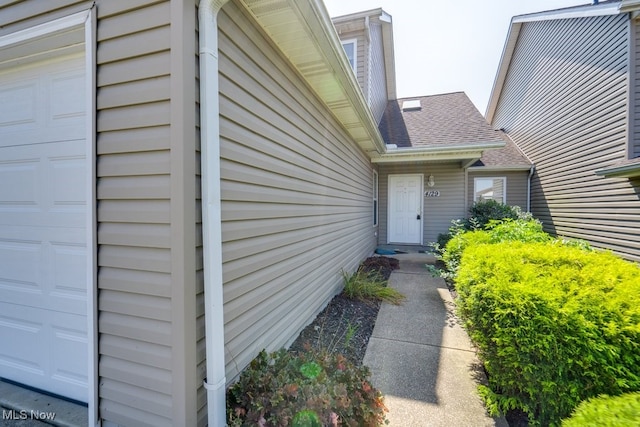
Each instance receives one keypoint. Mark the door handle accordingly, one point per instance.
(418, 217)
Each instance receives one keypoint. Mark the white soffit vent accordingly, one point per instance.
(411, 105)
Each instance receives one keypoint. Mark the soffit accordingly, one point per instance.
(304, 33)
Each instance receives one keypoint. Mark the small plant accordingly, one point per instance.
(605, 411)
(304, 390)
(349, 334)
(370, 287)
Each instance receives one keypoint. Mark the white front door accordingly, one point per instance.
(44, 174)
(405, 209)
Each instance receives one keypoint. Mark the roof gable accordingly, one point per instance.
(611, 7)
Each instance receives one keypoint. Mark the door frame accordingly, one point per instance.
(421, 202)
(84, 21)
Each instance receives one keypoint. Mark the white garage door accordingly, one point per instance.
(43, 253)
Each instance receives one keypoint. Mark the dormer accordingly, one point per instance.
(367, 38)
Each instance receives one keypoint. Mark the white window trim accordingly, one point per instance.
(376, 205)
(354, 42)
(504, 187)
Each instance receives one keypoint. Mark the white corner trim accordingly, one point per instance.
(76, 20)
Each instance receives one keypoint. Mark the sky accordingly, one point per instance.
(442, 46)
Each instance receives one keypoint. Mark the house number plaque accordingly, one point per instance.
(432, 193)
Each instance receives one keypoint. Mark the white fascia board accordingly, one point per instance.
(458, 152)
(505, 168)
(586, 11)
(503, 67)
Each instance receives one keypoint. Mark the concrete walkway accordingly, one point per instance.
(421, 358)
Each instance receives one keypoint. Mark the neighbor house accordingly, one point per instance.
(184, 181)
(566, 92)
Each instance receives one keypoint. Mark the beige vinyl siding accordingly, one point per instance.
(146, 207)
(377, 75)
(296, 196)
(564, 103)
(437, 211)
(516, 186)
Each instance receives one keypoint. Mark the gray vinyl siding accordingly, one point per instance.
(516, 186)
(146, 205)
(377, 74)
(362, 57)
(297, 196)
(634, 144)
(438, 211)
(564, 102)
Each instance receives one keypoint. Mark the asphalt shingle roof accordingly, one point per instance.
(446, 120)
(510, 155)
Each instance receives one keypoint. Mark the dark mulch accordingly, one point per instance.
(345, 325)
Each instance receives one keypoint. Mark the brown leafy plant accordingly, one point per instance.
(308, 389)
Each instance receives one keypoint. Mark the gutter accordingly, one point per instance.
(394, 154)
(628, 169)
(533, 168)
(211, 210)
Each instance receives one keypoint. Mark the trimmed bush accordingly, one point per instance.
(495, 232)
(480, 215)
(605, 411)
(483, 212)
(554, 324)
(307, 389)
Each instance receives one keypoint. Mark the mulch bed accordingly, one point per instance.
(345, 325)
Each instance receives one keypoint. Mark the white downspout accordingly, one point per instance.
(533, 168)
(211, 210)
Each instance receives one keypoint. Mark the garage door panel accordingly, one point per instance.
(43, 230)
(45, 185)
(18, 102)
(68, 193)
(53, 367)
(21, 331)
(38, 107)
(21, 183)
(45, 273)
(68, 102)
(17, 262)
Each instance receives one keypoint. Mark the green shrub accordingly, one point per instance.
(483, 212)
(554, 324)
(480, 215)
(494, 232)
(307, 389)
(367, 286)
(605, 411)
